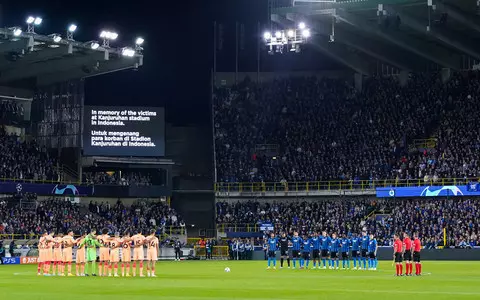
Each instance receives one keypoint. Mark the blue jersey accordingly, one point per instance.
(297, 243)
(325, 241)
(307, 245)
(345, 245)
(315, 243)
(372, 245)
(355, 244)
(272, 244)
(334, 245)
(365, 241)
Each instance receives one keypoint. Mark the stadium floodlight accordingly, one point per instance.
(32, 22)
(129, 52)
(72, 28)
(139, 41)
(288, 40)
(301, 25)
(108, 36)
(267, 35)
(16, 31)
(94, 45)
(306, 33)
(56, 38)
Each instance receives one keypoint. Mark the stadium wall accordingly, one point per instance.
(198, 210)
(385, 253)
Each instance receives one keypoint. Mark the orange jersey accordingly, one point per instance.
(138, 240)
(153, 243)
(50, 242)
(43, 243)
(68, 241)
(126, 250)
(57, 244)
(79, 241)
(104, 240)
(126, 244)
(115, 243)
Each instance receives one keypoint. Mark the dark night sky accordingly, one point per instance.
(178, 47)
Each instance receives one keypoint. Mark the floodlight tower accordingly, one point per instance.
(108, 36)
(32, 22)
(138, 44)
(70, 30)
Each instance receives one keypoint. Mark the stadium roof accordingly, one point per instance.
(39, 57)
(404, 34)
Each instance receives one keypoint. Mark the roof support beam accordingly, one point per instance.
(417, 26)
(104, 67)
(324, 7)
(38, 55)
(459, 15)
(14, 46)
(425, 50)
(373, 48)
(52, 66)
(333, 50)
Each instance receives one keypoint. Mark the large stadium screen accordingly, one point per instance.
(124, 131)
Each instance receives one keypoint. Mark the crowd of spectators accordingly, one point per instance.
(351, 216)
(22, 160)
(11, 112)
(142, 215)
(61, 215)
(309, 129)
(118, 178)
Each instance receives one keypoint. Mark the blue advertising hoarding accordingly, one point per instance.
(45, 189)
(10, 260)
(429, 191)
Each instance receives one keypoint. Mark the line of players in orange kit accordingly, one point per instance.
(56, 253)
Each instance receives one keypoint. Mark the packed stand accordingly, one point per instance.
(25, 160)
(61, 215)
(118, 178)
(348, 216)
(141, 215)
(324, 129)
(11, 112)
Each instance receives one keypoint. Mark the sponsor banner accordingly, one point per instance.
(45, 189)
(428, 191)
(10, 260)
(28, 260)
(266, 227)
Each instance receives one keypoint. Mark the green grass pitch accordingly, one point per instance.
(249, 280)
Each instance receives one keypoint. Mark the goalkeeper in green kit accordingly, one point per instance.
(91, 244)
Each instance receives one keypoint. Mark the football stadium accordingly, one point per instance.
(334, 156)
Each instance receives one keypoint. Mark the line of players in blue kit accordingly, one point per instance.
(323, 249)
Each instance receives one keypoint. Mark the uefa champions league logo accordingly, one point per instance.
(19, 187)
(61, 191)
(448, 188)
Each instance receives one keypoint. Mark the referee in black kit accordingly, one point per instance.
(284, 240)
